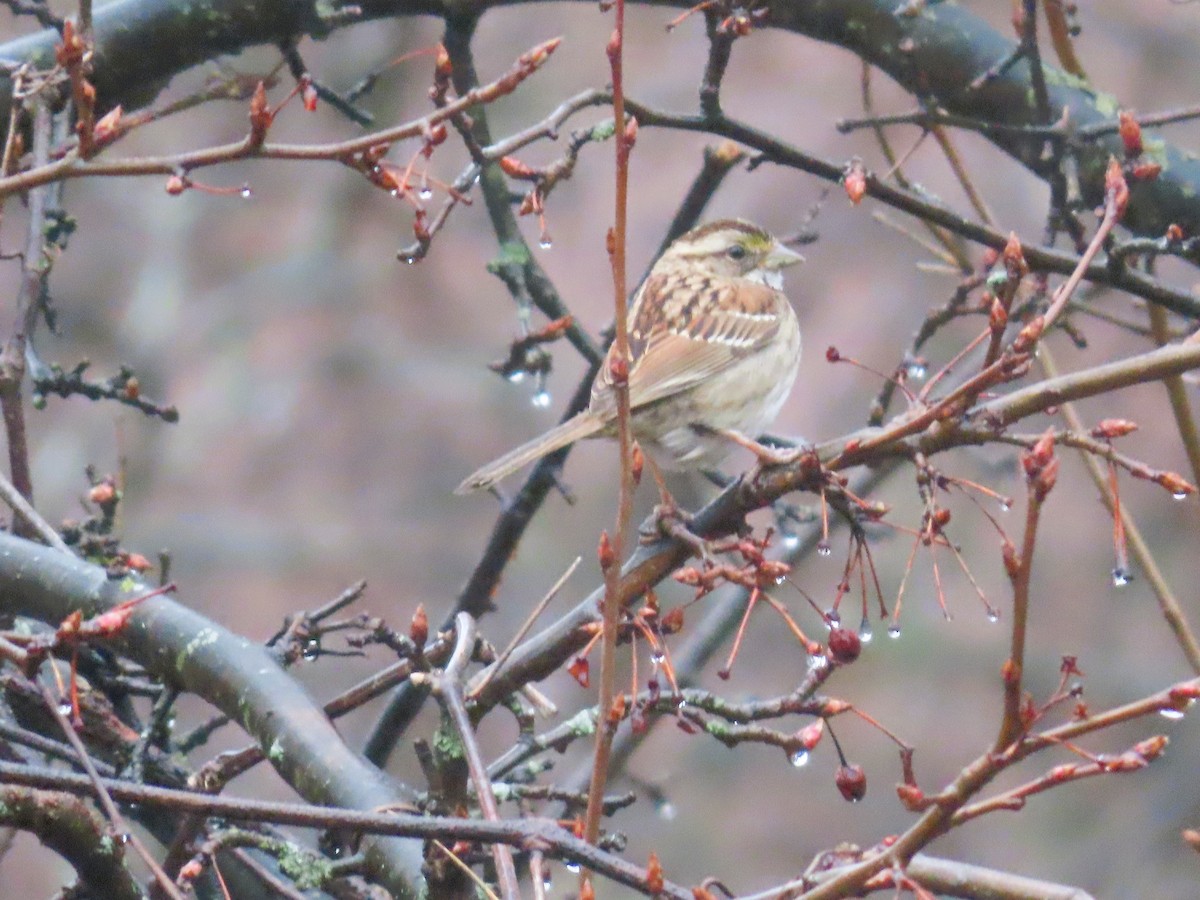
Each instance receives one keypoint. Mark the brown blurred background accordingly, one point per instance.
(331, 397)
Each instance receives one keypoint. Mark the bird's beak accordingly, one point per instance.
(781, 257)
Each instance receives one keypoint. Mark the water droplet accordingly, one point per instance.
(425, 193)
(65, 708)
(545, 243)
(832, 618)
(547, 882)
(657, 657)
(1121, 576)
(311, 649)
(1171, 713)
(571, 866)
(666, 810)
(1005, 504)
(893, 631)
(395, 192)
(541, 399)
(799, 759)
(1180, 495)
(246, 192)
(516, 376)
(410, 260)
(124, 838)
(823, 549)
(993, 616)
(865, 633)
(681, 704)
(791, 541)
(780, 579)
(817, 662)
(916, 370)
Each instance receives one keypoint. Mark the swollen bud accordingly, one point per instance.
(1131, 134)
(605, 552)
(418, 628)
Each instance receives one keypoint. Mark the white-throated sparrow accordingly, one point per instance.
(714, 348)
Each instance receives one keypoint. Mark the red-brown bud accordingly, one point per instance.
(580, 670)
(1174, 233)
(654, 875)
(1179, 486)
(810, 735)
(514, 168)
(854, 180)
(1145, 171)
(1113, 428)
(616, 712)
(103, 493)
(832, 355)
(176, 185)
(418, 628)
(605, 552)
(637, 463)
(997, 316)
(1131, 134)
(672, 620)
(1043, 450)
(1012, 563)
(631, 132)
(1030, 334)
(618, 369)
(1014, 257)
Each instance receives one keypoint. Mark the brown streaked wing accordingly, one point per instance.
(685, 331)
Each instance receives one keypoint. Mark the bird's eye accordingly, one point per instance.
(737, 251)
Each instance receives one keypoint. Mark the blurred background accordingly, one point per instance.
(331, 397)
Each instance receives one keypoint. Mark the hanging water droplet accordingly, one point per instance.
(124, 838)
(823, 549)
(657, 657)
(1121, 576)
(410, 260)
(791, 541)
(541, 399)
(799, 759)
(571, 866)
(545, 243)
(547, 882)
(993, 616)
(516, 376)
(680, 704)
(915, 370)
(1171, 713)
(832, 618)
(425, 193)
(1180, 495)
(666, 810)
(865, 633)
(246, 192)
(893, 631)
(780, 579)
(65, 708)
(1005, 504)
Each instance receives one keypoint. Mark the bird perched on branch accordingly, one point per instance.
(714, 348)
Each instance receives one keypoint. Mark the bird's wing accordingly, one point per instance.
(684, 331)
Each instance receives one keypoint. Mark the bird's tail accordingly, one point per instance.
(574, 429)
